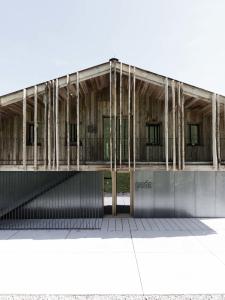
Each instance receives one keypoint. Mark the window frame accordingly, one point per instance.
(189, 143)
(30, 142)
(159, 134)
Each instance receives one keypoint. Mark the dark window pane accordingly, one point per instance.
(153, 134)
(194, 134)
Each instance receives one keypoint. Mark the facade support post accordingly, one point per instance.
(57, 123)
(218, 128)
(174, 123)
(24, 129)
(49, 127)
(214, 148)
(120, 137)
(115, 116)
(129, 113)
(78, 122)
(110, 112)
(179, 126)
(35, 126)
(114, 192)
(134, 119)
(182, 128)
(166, 123)
(45, 125)
(68, 121)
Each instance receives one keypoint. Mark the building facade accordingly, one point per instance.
(58, 138)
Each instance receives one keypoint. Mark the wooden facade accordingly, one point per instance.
(102, 118)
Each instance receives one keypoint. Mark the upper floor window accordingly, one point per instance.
(153, 134)
(30, 134)
(193, 134)
(72, 134)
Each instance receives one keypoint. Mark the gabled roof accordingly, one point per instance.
(103, 69)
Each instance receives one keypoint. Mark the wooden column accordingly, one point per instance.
(53, 125)
(24, 129)
(129, 118)
(57, 123)
(110, 111)
(45, 97)
(174, 123)
(134, 119)
(132, 183)
(218, 128)
(115, 113)
(68, 121)
(121, 82)
(15, 137)
(35, 126)
(214, 150)
(166, 123)
(114, 193)
(49, 127)
(179, 128)
(182, 129)
(78, 122)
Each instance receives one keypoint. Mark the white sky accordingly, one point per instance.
(43, 39)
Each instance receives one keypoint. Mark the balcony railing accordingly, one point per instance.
(97, 150)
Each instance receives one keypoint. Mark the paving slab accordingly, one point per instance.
(130, 258)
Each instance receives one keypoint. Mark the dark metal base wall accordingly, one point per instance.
(179, 194)
(51, 200)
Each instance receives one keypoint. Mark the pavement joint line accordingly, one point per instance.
(135, 256)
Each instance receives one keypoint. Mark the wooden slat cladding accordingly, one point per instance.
(133, 107)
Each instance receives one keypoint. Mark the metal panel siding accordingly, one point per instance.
(180, 194)
(205, 194)
(51, 195)
(220, 194)
(163, 194)
(184, 194)
(18, 187)
(143, 198)
(77, 193)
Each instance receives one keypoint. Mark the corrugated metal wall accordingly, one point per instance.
(51, 196)
(179, 194)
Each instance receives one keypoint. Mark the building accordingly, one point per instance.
(58, 138)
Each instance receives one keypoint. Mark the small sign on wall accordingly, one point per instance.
(147, 184)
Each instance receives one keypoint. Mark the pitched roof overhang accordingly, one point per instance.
(103, 69)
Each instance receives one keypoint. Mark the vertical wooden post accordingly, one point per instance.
(121, 82)
(214, 152)
(115, 115)
(45, 125)
(24, 129)
(78, 122)
(134, 119)
(129, 118)
(114, 193)
(132, 179)
(178, 129)
(35, 126)
(15, 137)
(182, 128)
(49, 127)
(110, 111)
(68, 121)
(218, 129)
(166, 123)
(53, 124)
(57, 123)
(174, 123)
